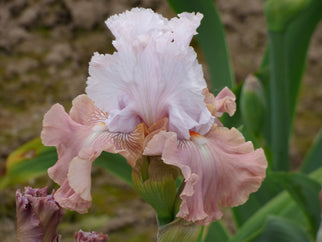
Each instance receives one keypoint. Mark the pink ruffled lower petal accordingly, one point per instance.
(67, 135)
(220, 169)
(79, 177)
(69, 199)
(80, 138)
(85, 112)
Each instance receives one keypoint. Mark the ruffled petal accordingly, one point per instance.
(80, 138)
(79, 174)
(224, 102)
(74, 194)
(69, 199)
(185, 27)
(127, 31)
(154, 76)
(68, 136)
(85, 112)
(220, 169)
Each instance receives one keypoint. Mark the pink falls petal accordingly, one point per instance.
(131, 145)
(220, 169)
(38, 215)
(82, 236)
(79, 176)
(68, 136)
(69, 199)
(85, 112)
(74, 194)
(80, 138)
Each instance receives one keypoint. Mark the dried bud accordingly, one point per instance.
(82, 236)
(38, 215)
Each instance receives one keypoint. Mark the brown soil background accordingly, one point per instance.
(45, 47)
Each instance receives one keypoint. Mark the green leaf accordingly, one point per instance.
(254, 224)
(281, 230)
(279, 13)
(28, 161)
(279, 100)
(211, 39)
(216, 232)
(256, 201)
(263, 74)
(116, 164)
(282, 205)
(313, 159)
(287, 62)
(305, 192)
(33, 159)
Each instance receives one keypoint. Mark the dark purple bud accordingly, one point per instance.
(38, 215)
(82, 236)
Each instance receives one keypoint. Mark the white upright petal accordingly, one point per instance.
(135, 25)
(154, 74)
(185, 27)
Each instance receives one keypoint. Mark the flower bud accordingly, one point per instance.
(82, 236)
(252, 105)
(38, 215)
(156, 183)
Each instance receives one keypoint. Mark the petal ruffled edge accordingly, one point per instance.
(85, 112)
(61, 131)
(224, 102)
(80, 138)
(227, 171)
(69, 199)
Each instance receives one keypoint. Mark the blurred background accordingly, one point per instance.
(45, 47)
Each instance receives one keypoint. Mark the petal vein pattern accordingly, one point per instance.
(220, 169)
(153, 75)
(80, 138)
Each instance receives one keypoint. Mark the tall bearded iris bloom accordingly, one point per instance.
(150, 98)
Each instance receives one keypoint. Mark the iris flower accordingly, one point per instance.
(150, 98)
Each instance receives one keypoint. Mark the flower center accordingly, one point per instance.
(197, 138)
